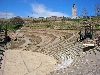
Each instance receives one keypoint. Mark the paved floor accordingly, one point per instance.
(17, 62)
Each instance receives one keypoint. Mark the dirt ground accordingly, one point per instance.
(17, 62)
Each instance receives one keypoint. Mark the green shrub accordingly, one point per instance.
(97, 25)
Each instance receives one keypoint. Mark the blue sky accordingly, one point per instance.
(45, 8)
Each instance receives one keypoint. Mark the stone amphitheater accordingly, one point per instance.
(48, 52)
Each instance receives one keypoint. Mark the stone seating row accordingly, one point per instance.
(87, 70)
(89, 65)
(55, 45)
(1, 57)
(59, 46)
(72, 53)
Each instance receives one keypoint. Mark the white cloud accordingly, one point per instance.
(9, 15)
(39, 10)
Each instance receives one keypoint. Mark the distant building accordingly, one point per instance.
(27, 19)
(2, 19)
(74, 11)
(53, 16)
(40, 19)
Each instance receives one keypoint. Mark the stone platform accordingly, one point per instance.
(17, 62)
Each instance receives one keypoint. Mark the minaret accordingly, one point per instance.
(74, 11)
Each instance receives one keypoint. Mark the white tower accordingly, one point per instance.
(74, 11)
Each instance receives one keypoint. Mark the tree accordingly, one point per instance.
(97, 9)
(84, 12)
(17, 22)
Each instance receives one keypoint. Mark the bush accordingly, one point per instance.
(48, 25)
(97, 25)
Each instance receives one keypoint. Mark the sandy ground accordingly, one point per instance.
(17, 62)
